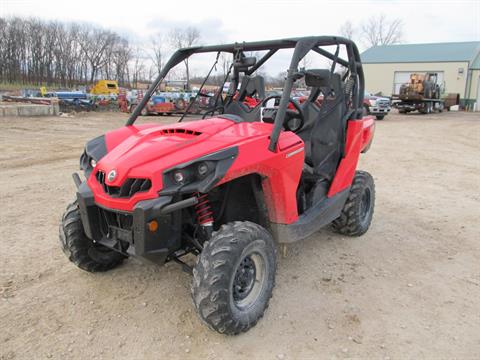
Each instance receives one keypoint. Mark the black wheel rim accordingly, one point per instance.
(365, 204)
(248, 281)
(244, 279)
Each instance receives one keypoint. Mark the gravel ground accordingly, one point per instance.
(409, 288)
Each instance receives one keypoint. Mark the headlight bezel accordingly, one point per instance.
(217, 165)
(94, 150)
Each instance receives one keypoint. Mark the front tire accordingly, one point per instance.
(81, 250)
(357, 212)
(380, 117)
(234, 277)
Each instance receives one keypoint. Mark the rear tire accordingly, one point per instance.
(81, 250)
(234, 277)
(357, 212)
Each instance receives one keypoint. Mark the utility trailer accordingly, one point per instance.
(421, 93)
(420, 104)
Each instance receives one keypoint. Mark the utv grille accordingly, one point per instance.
(130, 187)
(114, 219)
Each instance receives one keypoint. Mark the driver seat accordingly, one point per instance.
(323, 131)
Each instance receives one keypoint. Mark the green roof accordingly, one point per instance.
(436, 52)
(475, 64)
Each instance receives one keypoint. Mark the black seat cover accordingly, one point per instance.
(323, 130)
(251, 86)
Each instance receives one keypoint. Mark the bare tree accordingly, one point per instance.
(138, 66)
(347, 30)
(225, 61)
(55, 53)
(378, 30)
(181, 38)
(95, 44)
(157, 49)
(122, 55)
(306, 62)
(278, 80)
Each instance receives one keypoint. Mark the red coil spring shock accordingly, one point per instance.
(204, 210)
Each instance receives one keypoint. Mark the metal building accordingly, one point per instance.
(457, 64)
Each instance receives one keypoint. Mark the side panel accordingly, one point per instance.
(359, 137)
(280, 172)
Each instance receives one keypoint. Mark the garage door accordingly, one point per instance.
(402, 77)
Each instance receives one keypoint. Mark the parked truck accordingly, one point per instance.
(421, 93)
(377, 106)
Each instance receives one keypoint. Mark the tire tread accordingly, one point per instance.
(210, 284)
(76, 245)
(349, 222)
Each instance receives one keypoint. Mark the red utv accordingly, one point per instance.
(229, 188)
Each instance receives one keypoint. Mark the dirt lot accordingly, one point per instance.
(409, 288)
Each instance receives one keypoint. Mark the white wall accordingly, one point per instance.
(380, 77)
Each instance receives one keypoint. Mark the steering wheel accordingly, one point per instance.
(294, 119)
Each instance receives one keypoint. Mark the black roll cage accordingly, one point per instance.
(301, 47)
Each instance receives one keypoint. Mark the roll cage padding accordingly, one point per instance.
(301, 47)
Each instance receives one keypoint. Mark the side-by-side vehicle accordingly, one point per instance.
(234, 185)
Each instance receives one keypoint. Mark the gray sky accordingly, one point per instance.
(221, 21)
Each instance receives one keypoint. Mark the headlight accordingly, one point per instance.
(202, 169)
(94, 150)
(199, 175)
(179, 176)
(373, 102)
(192, 173)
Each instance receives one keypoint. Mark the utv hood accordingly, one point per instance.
(145, 151)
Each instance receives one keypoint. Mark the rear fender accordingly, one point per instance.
(367, 132)
(359, 137)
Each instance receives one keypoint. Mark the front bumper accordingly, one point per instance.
(127, 232)
(379, 110)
